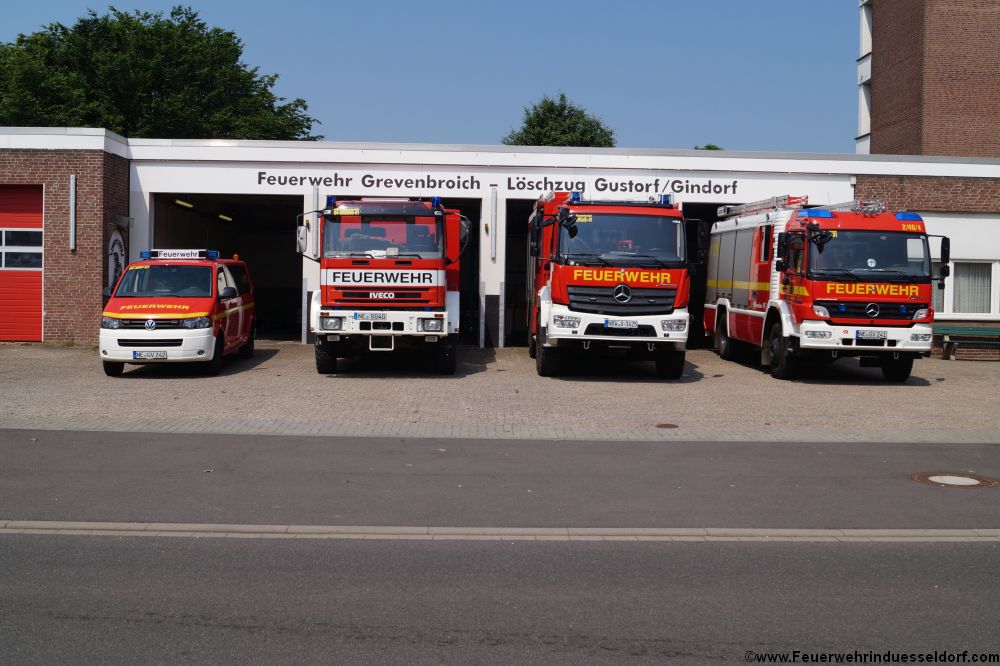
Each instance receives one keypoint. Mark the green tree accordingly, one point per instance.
(709, 146)
(558, 122)
(144, 74)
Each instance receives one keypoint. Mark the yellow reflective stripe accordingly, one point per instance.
(232, 311)
(739, 284)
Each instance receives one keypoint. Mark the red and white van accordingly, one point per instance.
(178, 306)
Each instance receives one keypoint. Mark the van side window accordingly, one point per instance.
(221, 279)
(240, 278)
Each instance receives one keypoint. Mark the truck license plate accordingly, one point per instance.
(371, 316)
(149, 354)
(621, 323)
(871, 335)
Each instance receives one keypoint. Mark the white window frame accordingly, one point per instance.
(4, 249)
(949, 290)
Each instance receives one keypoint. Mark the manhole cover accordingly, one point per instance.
(955, 480)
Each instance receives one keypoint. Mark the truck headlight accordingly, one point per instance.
(563, 321)
(430, 325)
(196, 322)
(821, 312)
(331, 323)
(110, 322)
(819, 335)
(920, 337)
(674, 325)
(922, 313)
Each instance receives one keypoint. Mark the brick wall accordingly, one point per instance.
(932, 194)
(72, 279)
(897, 77)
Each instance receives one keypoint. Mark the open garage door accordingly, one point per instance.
(258, 228)
(21, 262)
(516, 272)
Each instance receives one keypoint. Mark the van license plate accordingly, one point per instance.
(149, 354)
(621, 323)
(871, 335)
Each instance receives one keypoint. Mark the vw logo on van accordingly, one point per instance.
(622, 293)
(150, 325)
(872, 310)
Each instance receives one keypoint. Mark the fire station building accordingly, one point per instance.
(76, 205)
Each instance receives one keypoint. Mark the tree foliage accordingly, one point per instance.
(709, 146)
(144, 74)
(558, 122)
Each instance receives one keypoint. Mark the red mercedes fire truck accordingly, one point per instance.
(609, 276)
(800, 283)
(389, 279)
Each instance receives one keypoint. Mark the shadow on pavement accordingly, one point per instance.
(233, 366)
(402, 365)
(840, 372)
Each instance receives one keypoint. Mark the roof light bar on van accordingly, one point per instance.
(774, 203)
(178, 254)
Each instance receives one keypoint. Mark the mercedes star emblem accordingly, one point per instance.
(150, 325)
(872, 310)
(622, 293)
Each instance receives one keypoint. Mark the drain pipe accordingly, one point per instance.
(72, 213)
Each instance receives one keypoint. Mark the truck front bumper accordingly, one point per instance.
(593, 328)
(177, 345)
(335, 323)
(820, 335)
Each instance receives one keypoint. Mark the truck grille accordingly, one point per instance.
(401, 295)
(599, 300)
(857, 309)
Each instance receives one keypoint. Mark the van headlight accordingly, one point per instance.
(562, 321)
(430, 325)
(331, 323)
(674, 325)
(196, 322)
(110, 322)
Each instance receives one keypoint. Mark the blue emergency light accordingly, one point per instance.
(911, 217)
(575, 197)
(666, 199)
(814, 212)
(435, 202)
(211, 254)
(145, 254)
(331, 201)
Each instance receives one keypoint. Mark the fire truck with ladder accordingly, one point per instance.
(816, 284)
(607, 276)
(389, 280)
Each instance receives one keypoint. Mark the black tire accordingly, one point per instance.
(670, 364)
(215, 365)
(547, 359)
(724, 343)
(246, 351)
(113, 368)
(532, 346)
(783, 365)
(447, 357)
(326, 358)
(897, 369)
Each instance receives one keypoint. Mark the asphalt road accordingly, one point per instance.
(196, 478)
(106, 600)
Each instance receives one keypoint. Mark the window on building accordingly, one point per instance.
(21, 249)
(937, 294)
(972, 288)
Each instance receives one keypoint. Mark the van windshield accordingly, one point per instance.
(166, 281)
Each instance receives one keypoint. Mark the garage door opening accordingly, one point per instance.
(258, 228)
(699, 219)
(516, 273)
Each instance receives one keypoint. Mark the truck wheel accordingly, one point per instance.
(532, 346)
(897, 369)
(113, 369)
(670, 364)
(447, 357)
(724, 343)
(326, 358)
(215, 365)
(246, 351)
(547, 359)
(783, 365)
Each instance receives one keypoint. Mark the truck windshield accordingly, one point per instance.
(623, 239)
(165, 281)
(411, 236)
(871, 255)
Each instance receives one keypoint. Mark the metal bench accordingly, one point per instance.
(972, 336)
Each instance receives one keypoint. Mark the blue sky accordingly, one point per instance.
(773, 76)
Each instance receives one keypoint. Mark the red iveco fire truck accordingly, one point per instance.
(607, 276)
(389, 279)
(803, 283)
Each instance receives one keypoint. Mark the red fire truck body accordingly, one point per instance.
(389, 279)
(607, 276)
(815, 283)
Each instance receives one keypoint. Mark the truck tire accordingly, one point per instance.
(547, 359)
(783, 364)
(215, 365)
(532, 346)
(670, 364)
(447, 357)
(326, 358)
(246, 351)
(897, 369)
(113, 369)
(725, 344)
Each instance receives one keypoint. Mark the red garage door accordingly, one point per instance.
(20, 262)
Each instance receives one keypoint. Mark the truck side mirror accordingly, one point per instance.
(534, 238)
(301, 239)
(780, 265)
(945, 250)
(465, 224)
(782, 246)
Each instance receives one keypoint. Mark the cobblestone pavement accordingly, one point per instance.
(497, 394)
